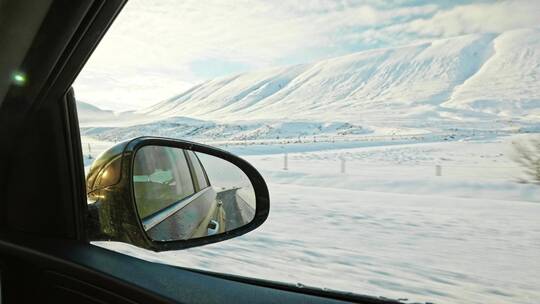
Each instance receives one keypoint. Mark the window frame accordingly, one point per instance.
(195, 176)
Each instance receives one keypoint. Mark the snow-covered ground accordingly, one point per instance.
(389, 226)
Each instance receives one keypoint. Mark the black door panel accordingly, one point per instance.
(69, 269)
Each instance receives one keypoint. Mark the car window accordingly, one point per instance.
(202, 182)
(399, 139)
(161, 177)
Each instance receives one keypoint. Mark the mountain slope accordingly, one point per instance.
(509, 82)
(90, 113)
(467, 77)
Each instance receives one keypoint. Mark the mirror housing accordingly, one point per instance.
(112, 208)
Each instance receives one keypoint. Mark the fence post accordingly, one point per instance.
(342, 159)
(285, 161)
(89, 152)
(438, 170)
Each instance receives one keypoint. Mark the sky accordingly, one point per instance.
(157, 49)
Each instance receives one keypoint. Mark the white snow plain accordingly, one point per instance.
(389, 226)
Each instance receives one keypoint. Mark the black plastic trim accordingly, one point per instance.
(74, 146)
(148, 282)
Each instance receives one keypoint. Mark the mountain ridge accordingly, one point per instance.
(417, 78)
(470, 78)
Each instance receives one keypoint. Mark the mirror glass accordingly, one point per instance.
(181, 194)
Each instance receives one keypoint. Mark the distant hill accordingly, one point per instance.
(91, 113)
(478, 76)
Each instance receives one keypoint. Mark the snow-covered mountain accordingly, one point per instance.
(472, 82)
(473, 76)
(90, 113)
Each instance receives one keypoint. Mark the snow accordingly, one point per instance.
(389, 225)
(508, 83)
(182, 127)
(475, 74)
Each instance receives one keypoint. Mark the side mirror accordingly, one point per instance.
(164, 194)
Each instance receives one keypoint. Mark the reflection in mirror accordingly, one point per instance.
(181, 194)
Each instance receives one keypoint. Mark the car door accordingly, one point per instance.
(45, 254)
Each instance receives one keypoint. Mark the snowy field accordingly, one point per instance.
(388, 226)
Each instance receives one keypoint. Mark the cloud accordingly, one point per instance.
(172, 33)
(494, 17)
(120, 91)
(177, 40)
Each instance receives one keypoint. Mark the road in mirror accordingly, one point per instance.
(181, 194)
